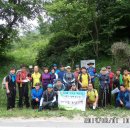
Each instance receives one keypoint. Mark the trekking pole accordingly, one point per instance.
(105, 96)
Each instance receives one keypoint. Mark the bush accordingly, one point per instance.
(121, 54)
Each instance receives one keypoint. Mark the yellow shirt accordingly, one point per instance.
(91, 95)
(36, 78)
(126, 79)
(84, 80)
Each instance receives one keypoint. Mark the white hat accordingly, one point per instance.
(67, 67)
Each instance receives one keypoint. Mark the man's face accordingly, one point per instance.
(59, 83)
(68, 69)
(49, 89)
(62, 68)
(122, 88)
(73, 87)
(36, 69)
(90, 65)
(125, 72)
(23, 69)
(103, 72)
(84, 71)
(12, 71)
(77, 69)
(90, 87)
(118, 72)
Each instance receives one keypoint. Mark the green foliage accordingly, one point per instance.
(95, 24)
(55, 51)
(25, 50)
(13, 14)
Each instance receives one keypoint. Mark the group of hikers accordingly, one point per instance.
(44, 87)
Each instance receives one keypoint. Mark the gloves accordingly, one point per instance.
(40, 108)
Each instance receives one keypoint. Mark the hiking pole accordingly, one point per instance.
(105, 96)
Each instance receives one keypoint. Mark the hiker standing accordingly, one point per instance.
(91, 71)
(61, 73)
(54, 76)
(68, 78)
(46, 78)
(111, 77)
(104, 87)
(56, 68)
(11, 89)
(22, 80)
(126, 79)
(118, 80)
(36, 76)
(76, 75)
(84, 79)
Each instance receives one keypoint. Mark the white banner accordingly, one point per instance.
(70, 100)
(85, 62)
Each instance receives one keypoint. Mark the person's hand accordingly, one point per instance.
(105, 81)
(95, 104)
(92, 77)
(121, 103)
(37, 100)
(40, 108)
(8, 91)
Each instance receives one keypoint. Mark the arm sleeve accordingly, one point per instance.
(54, 99)
(64, 79)
(56, 76)
(18, 78)
(33, 97)
(41, 101)
(73, 78)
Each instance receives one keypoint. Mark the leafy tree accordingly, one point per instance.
(13, 14)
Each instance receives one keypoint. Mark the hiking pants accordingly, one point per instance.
(23, 93)
(50, 105)
(11, 98)
(103, 97)
(34, 103)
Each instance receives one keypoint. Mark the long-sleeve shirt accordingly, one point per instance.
(48, 97)
(104, 81)
(68, 78)
(22, 76)
(36, 93)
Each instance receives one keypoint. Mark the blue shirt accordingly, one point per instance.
(37, 93)
(61, 75)
(122, 96)
(91, 71)
(57, 71)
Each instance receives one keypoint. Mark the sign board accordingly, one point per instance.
(85, 62)
(70, 100)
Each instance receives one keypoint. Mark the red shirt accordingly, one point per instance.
(21, 76)
(111, 76)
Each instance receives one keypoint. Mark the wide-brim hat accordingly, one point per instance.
(90, 63)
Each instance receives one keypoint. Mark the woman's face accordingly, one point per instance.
(53, 71)
(125, 72)
(46, 71)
